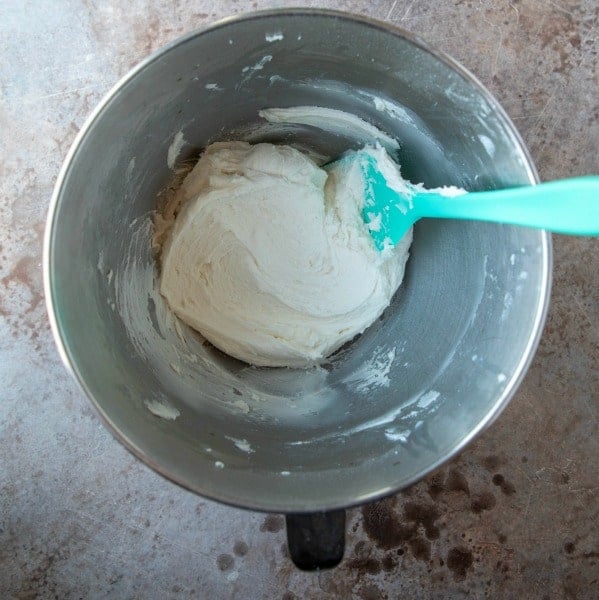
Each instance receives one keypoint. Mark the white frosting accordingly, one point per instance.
(270, 259)
(162, 409)
(332, 120)
(175, 149)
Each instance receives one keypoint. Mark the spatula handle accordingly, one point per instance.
(564, 206)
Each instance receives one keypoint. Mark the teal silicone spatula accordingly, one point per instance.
(392, 204)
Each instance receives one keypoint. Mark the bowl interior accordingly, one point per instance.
(414, 388)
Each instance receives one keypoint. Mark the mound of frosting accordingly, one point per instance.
(269, 257)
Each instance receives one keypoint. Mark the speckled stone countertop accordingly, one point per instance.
(515, 516)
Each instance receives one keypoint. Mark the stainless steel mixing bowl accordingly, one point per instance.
(415, 388)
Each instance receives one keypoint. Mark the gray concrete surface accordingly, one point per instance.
(515, 516)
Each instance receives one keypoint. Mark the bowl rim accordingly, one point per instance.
(545, 242)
